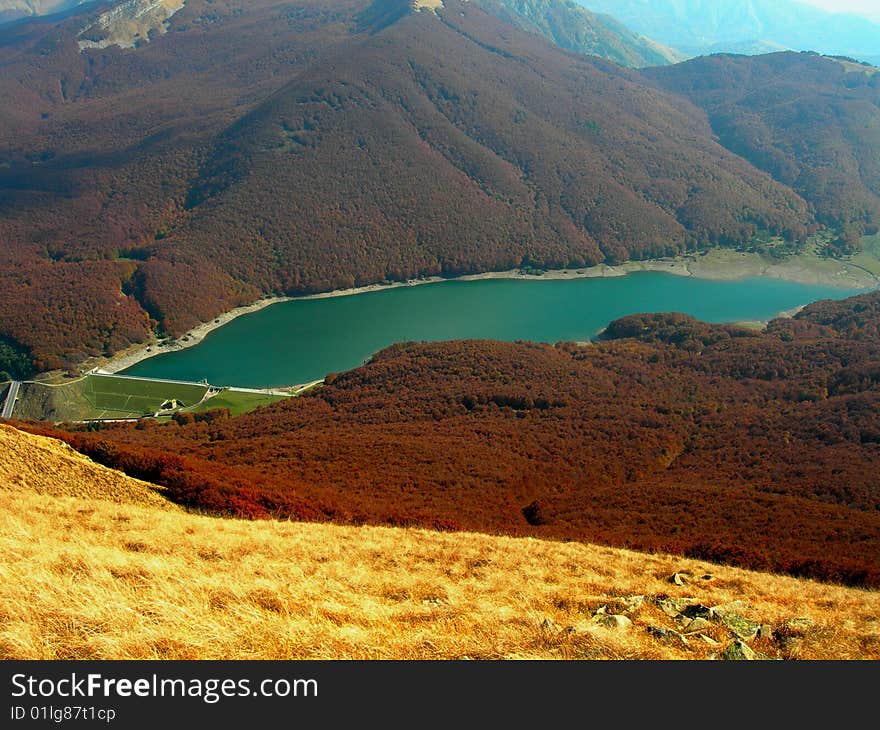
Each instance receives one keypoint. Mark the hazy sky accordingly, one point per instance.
(868, 8)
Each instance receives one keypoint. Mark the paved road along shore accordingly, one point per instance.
(11, 397)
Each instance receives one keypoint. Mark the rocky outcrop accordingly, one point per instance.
(615, 621)
(129, 23)
(694, 620)
(739, 651)
(738, 625)
(722, 630)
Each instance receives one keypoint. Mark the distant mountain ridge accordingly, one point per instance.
(572, 27)
(700, 27)
(564, 22)
(16, 9)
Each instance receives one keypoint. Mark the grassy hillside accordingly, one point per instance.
(33, 468)
(103, 397)
(93, 575)
(756, 448)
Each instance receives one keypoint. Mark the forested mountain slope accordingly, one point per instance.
(442, 146)
(811, 122)
(570, 26)
(294, 147)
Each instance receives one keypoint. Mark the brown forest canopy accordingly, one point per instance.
(760, 449)
(270, 146)
(813, 123)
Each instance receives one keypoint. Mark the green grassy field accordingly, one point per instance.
(236, 401)
(106, 397)
(100, 397)
(869, 258)
(42, 402)
(141, 397)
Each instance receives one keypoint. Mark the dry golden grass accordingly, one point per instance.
(46, 466)
(94, 579)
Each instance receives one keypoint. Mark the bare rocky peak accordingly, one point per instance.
(129, 23)
(432, 5)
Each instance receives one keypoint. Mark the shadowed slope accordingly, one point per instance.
(572, 27)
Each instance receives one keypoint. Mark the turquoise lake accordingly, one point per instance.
(299, 341)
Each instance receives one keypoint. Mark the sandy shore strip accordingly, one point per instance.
(717, 265)
(720, 265)
(135, 354)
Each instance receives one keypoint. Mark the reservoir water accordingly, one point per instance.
(299, 341)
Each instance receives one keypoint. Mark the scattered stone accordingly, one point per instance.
(601, 611)
(732, 606)
(614, 621)
(667, 635)
(680, 579)
(695, 625)
(765, 631)
(739, 651)
(792, 632)
(584, 627)
(632, 603)
(709, 640)
(549, 625)
(707, 577)
(672, 607)
(797, 626)
(738, 625)
(697, 610)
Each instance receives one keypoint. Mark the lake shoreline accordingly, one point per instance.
(717, 265)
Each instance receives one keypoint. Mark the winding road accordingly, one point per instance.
(11, 397)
